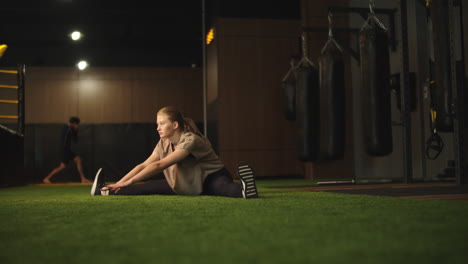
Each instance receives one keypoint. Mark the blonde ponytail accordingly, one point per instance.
(190, 126)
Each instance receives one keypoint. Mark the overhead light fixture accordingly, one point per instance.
(82, 65)
(76, 35)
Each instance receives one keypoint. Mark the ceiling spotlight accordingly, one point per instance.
(76, 35)
(82, 65)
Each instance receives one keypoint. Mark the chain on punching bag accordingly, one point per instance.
(288, 89)
(332, 111)
(375, 91)
(307, 94)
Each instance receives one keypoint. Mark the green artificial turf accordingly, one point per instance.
(64, 224)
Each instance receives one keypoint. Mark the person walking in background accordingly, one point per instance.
(69, 134)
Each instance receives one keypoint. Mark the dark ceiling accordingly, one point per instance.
(119, 33)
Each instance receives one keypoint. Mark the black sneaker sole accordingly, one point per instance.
(247, 178)
(95, 189)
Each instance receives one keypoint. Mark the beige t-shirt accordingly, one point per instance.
(187, 176)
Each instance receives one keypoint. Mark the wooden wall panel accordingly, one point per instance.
(212, 72)
(212, 92)
(240, 100)
(50, 100)
(111, 95)
(192, 90)
(154, 95)
(104, 101)
(252, 58)
(145, 102)
(253, 99)
(184, 92)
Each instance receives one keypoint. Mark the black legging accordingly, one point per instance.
(219, 183)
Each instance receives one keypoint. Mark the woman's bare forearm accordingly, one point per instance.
(148, 172)
(132, 173)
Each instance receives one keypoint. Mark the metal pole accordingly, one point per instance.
(405, 95)
(457, 100)
(20, 79)
(205, 118)
(462, 111)
(423, 73)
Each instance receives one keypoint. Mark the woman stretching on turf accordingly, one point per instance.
(188, 161)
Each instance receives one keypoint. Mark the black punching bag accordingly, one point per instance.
(375, 91)
(288, 89)
(332, 112)
(307, 94)
(442, 86)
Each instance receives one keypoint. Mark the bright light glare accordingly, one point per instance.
(82, 65)
(76, 35)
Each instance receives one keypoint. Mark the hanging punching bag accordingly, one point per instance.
(442, 86)
(288, 89)
(375, 91)
(331, 114)
(307, 112)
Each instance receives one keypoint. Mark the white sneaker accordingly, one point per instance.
(98, 183)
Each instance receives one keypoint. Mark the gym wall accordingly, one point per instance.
(117, 107)
(391, 166)
(356, 162)
(314, 15)
(246, 62)
(111, 95)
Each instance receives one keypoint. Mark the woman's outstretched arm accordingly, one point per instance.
(151, 159)
(151, 169)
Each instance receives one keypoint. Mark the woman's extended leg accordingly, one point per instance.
(220, 183)
(149, 187)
